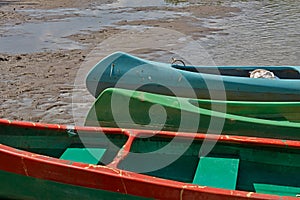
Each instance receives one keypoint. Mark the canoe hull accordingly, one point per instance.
(27, 175)
(36, 188)
(121, 70)
(113, 105)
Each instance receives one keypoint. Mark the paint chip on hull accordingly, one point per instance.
(249, 194)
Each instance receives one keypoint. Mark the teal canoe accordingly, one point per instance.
(222, 82)
(52, 161)
(126, 109)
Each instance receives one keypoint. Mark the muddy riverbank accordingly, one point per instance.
(38, 86)
(43, 44)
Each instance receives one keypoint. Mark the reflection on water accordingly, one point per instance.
(263, 33)
(35, 37)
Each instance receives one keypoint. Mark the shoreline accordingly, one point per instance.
(38, 86)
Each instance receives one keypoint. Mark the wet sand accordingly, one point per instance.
(38, 86)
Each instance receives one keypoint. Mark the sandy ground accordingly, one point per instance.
(38, 86)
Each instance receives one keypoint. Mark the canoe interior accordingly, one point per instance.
(237, 166)
(242, 71)
(54, 143)
(254, 165)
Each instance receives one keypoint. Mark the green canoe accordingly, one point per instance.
(51, 161)
(128, 109)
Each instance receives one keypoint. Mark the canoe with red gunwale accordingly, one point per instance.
(50, 161)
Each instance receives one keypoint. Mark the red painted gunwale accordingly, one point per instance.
(115, 180)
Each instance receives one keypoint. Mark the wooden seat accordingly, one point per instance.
(84, 155)
(217, 172)
(277, 189)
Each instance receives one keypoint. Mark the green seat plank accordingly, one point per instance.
(277, 189)
(85, 155)
(217, 172)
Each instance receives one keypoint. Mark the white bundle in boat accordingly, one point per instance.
(262, 73)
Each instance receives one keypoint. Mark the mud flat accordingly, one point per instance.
(38, 86)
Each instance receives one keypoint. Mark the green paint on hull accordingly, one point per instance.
(282, 111)
(13, 186)
(131, 109)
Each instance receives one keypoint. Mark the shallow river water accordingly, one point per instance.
(262, 33)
